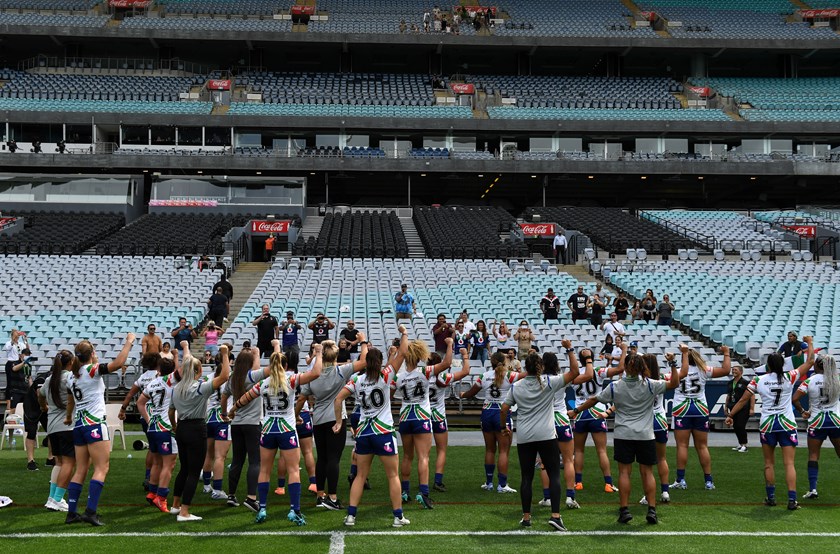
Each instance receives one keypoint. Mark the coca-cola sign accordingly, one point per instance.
(804, 231)
(6, 221)
(130, 3)
(812, 14)
(265, 227)
(462, 88)
(537, 229)
(218, 84)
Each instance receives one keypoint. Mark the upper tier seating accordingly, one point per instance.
(59, 233)
(788, 217)
(615, 230)
(50, 20)
(357, 234)
(345, 110)
(208, 24)
(582, 92)
(739, 303)
(653, 111)
(94, 87)
(172, 234)
(222, 7)
(466, 232)
(64, 5)
(107, 106)
(736, 231)
(60, 300)
(570, 18)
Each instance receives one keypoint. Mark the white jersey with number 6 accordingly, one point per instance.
(88, 390)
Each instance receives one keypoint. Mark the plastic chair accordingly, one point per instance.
(14, 422)
(112, 412)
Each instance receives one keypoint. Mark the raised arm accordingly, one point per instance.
(447, 359)
(674, 381)
(224, 374)
(684, 364)
(802, 370)
(122, 357)
(399, 357)
(315, 372)
(619, 369)
(465, 366)
(361, 363)
(574, 366)
(726, 367)
(589, 368)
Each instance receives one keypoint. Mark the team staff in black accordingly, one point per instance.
(578, 303)
(550, 305)
(736, 389)
(268, 329)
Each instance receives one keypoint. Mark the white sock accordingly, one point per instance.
(54, 474)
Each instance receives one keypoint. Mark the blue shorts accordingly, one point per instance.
(355, 419)
(414, 427)
(491, 420)
(218, 430)
(698, 423)
(162, 443)
(439, 426)
(283, 441)
(590, 425)
(824, 433)
(661, 436)
(378, 445)
(304, 430)
(89, 434)
(779, 438)
(564, 433)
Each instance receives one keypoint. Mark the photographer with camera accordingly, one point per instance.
(268, 329)
(441, 331)
(404, 305)
(184, 332)
(320, 327)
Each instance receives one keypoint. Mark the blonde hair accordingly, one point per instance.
(499, 362)
(190, 371)
(695, 359)
(418, 351)
(277, 379)
(329, 352)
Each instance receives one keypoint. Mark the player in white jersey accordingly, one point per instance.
(778, 422)
(277, 393)
(691, 414)
(149, 363)
(562, 424)
(86, 407)
(303, 428)
(153, 405)
(823, 414)
(494, 385)
(437, 398)
(51, 397)
(218, 440)
(372, 391)
(592, 421)
(412, 384)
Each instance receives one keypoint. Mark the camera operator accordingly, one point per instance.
(321, 326)
(36, 146)
(268, 329)
(442, 331)
(61, 146)
(12, 146)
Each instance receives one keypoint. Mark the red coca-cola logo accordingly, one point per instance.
(269, 226)
(812, 14)
(218, 84)
(806, 231)
(537, 229)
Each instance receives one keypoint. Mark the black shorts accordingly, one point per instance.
(15, 397)
(61, 444)
(31, 425)
(629, 451)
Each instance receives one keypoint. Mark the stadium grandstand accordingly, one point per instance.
(518, 174)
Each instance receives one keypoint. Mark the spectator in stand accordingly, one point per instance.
(621, 306)
(218, 307)
(502, 336)
(404, 303)
(461, 337)
(351, 334)
(291, 341)
(208, 358)
(602, 293)
(607, 349)
(793, 346)
(227, 288)
(403, 26)
(321, 327)
(166, 351)
(550, 306)
(469, 326)
(151, 343)
(211, 335)
(613, 327)
(414, 28)
(524, 338)
(736, 389)
(648, 307)
(636, 311)
(480, 342)
(559, 247)
(597, 309)
(578, 304)
(427, 22)
(268, 329)
(184, 332)
(665, 311)
(343, 351)
(269, 247)
(441, 331)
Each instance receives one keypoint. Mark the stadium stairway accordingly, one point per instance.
(244, 280)
(311, 226)
(412, 238)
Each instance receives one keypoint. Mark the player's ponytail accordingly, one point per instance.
(695, 359)
(277, 379)
(62, 360)
(652, 366)
(329, 353)
(499, 362)
(831, 382)
(534, 367)
(190, 371)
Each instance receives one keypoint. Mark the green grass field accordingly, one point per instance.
(465, 518)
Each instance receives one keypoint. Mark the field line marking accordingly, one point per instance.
(336, 543)
(339, 537)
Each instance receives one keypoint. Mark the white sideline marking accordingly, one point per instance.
(338, 538)
(336, 543)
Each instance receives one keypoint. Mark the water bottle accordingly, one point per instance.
(14, 443)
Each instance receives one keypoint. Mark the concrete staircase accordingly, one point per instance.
(311, 226)
(412, 238)
(244, 280)
(579, 272)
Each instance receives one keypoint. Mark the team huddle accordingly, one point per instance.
(256, 410)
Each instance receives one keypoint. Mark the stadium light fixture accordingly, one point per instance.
(644, 177)
(590, 177)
